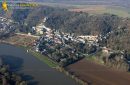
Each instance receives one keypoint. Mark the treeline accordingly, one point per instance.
(117, 61)
(83, 23)
(9, 78)
(120, 38)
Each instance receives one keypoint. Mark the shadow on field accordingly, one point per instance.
(15, 65)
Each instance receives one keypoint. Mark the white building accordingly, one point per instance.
(89, 37)
(39, 29)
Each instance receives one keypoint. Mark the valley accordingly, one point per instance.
(90, 44)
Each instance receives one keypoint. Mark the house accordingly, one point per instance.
(106, 50)
(37, 49)
(39, 29)
(29, 33)
(89, 37)
(81, 40)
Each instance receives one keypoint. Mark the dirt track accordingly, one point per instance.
(98, 75)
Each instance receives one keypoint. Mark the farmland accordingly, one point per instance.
(20, 40)
(95, 74)
(100, 9)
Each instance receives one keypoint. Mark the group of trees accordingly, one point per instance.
(115, 60)
(6, 28)
(82, 23)
(9, 78)
(118, 61)
(119, 39)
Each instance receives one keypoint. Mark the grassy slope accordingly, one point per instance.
(44, 59)
(96, 58)
(41, 57)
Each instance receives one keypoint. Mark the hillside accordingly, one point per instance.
(79, 23)
(83, 23)
(112, 29)
(62, 19)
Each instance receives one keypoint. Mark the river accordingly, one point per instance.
(31, 69)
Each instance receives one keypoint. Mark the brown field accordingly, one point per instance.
(95, 74)
(21, 40)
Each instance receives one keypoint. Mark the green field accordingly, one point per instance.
(120, 11)
(44, 59)
(98, 58)
(94, 9)
(101, 9)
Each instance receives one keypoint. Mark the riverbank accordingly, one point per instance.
(29, 49)
(14, 40)
(39, 56)
(55, 65)
(0, 62)
(44, 59)
(31, 68)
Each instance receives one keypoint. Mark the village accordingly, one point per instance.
(67, 48)
(64, 48)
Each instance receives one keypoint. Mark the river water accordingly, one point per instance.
(30, 68)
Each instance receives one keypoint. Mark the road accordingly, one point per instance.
(27, 35)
